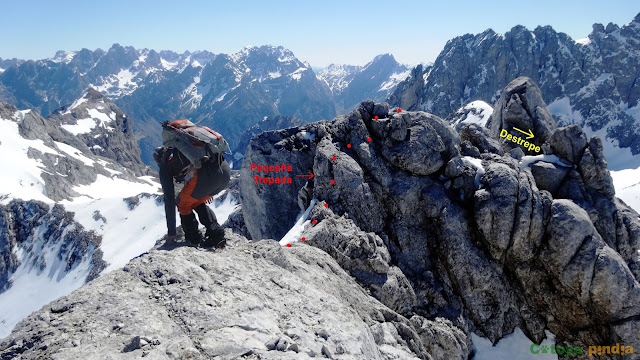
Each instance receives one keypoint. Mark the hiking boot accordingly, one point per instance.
(195, 238)
(215, 238)
(190, 227)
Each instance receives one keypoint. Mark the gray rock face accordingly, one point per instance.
(480, 138)
(569, 143)
(479, 257)
(252, 299)
(31, 225)
(521, 106)
(549, 176)
(594, 171)
(586, 80)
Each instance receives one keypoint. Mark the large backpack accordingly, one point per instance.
(195, 142)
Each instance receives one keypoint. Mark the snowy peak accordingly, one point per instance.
(590, 82)
(352, 84)
(338, 77)
(269, 62)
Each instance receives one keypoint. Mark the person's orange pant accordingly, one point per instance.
(186, 202)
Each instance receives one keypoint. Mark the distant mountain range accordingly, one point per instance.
(593, 82)
(230, 93)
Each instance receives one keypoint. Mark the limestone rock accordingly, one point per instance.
(521, 106)
(594, 171)
(480, 137)
(549, 176)
(569, 143)
(200, 304)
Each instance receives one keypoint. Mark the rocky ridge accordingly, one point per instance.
(266, 124)
(490, 240)
(109, 132)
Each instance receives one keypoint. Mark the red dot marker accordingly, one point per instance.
(334, 158)
(399, 110)
(376, 117)
(326, 205)
(369, 139)
(349, 146)
(333, 181)
(288, 245)
(314, 222)
(303, 239)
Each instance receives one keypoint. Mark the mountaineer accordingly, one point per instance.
(193, 155)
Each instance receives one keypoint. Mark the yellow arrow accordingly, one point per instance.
(529, 134)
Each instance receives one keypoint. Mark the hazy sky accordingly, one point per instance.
(320, 32)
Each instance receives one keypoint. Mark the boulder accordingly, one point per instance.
(548, 176)
(569, 143)
(521, 106)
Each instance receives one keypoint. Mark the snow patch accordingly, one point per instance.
(294, 234)
(297, 75)
(168, 65)
(114, 187)
(75, 104)
(274, 75)
(477, 164)
(584, 41)
(627, 185)
(84, 126)
(394, 80)
(528, 160)
(224, 204)
(476, 112)
(513, 346)
(74, 153)
(21, 176)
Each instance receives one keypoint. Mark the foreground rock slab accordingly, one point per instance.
(256, 300)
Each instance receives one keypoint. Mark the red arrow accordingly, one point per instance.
(307, 176)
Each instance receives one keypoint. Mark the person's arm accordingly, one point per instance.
(169, 199)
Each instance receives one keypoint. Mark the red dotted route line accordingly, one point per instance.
(314, 222)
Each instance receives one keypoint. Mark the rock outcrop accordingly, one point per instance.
(513, 242)
(409, 248)
(66, 159)
(521, 107)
